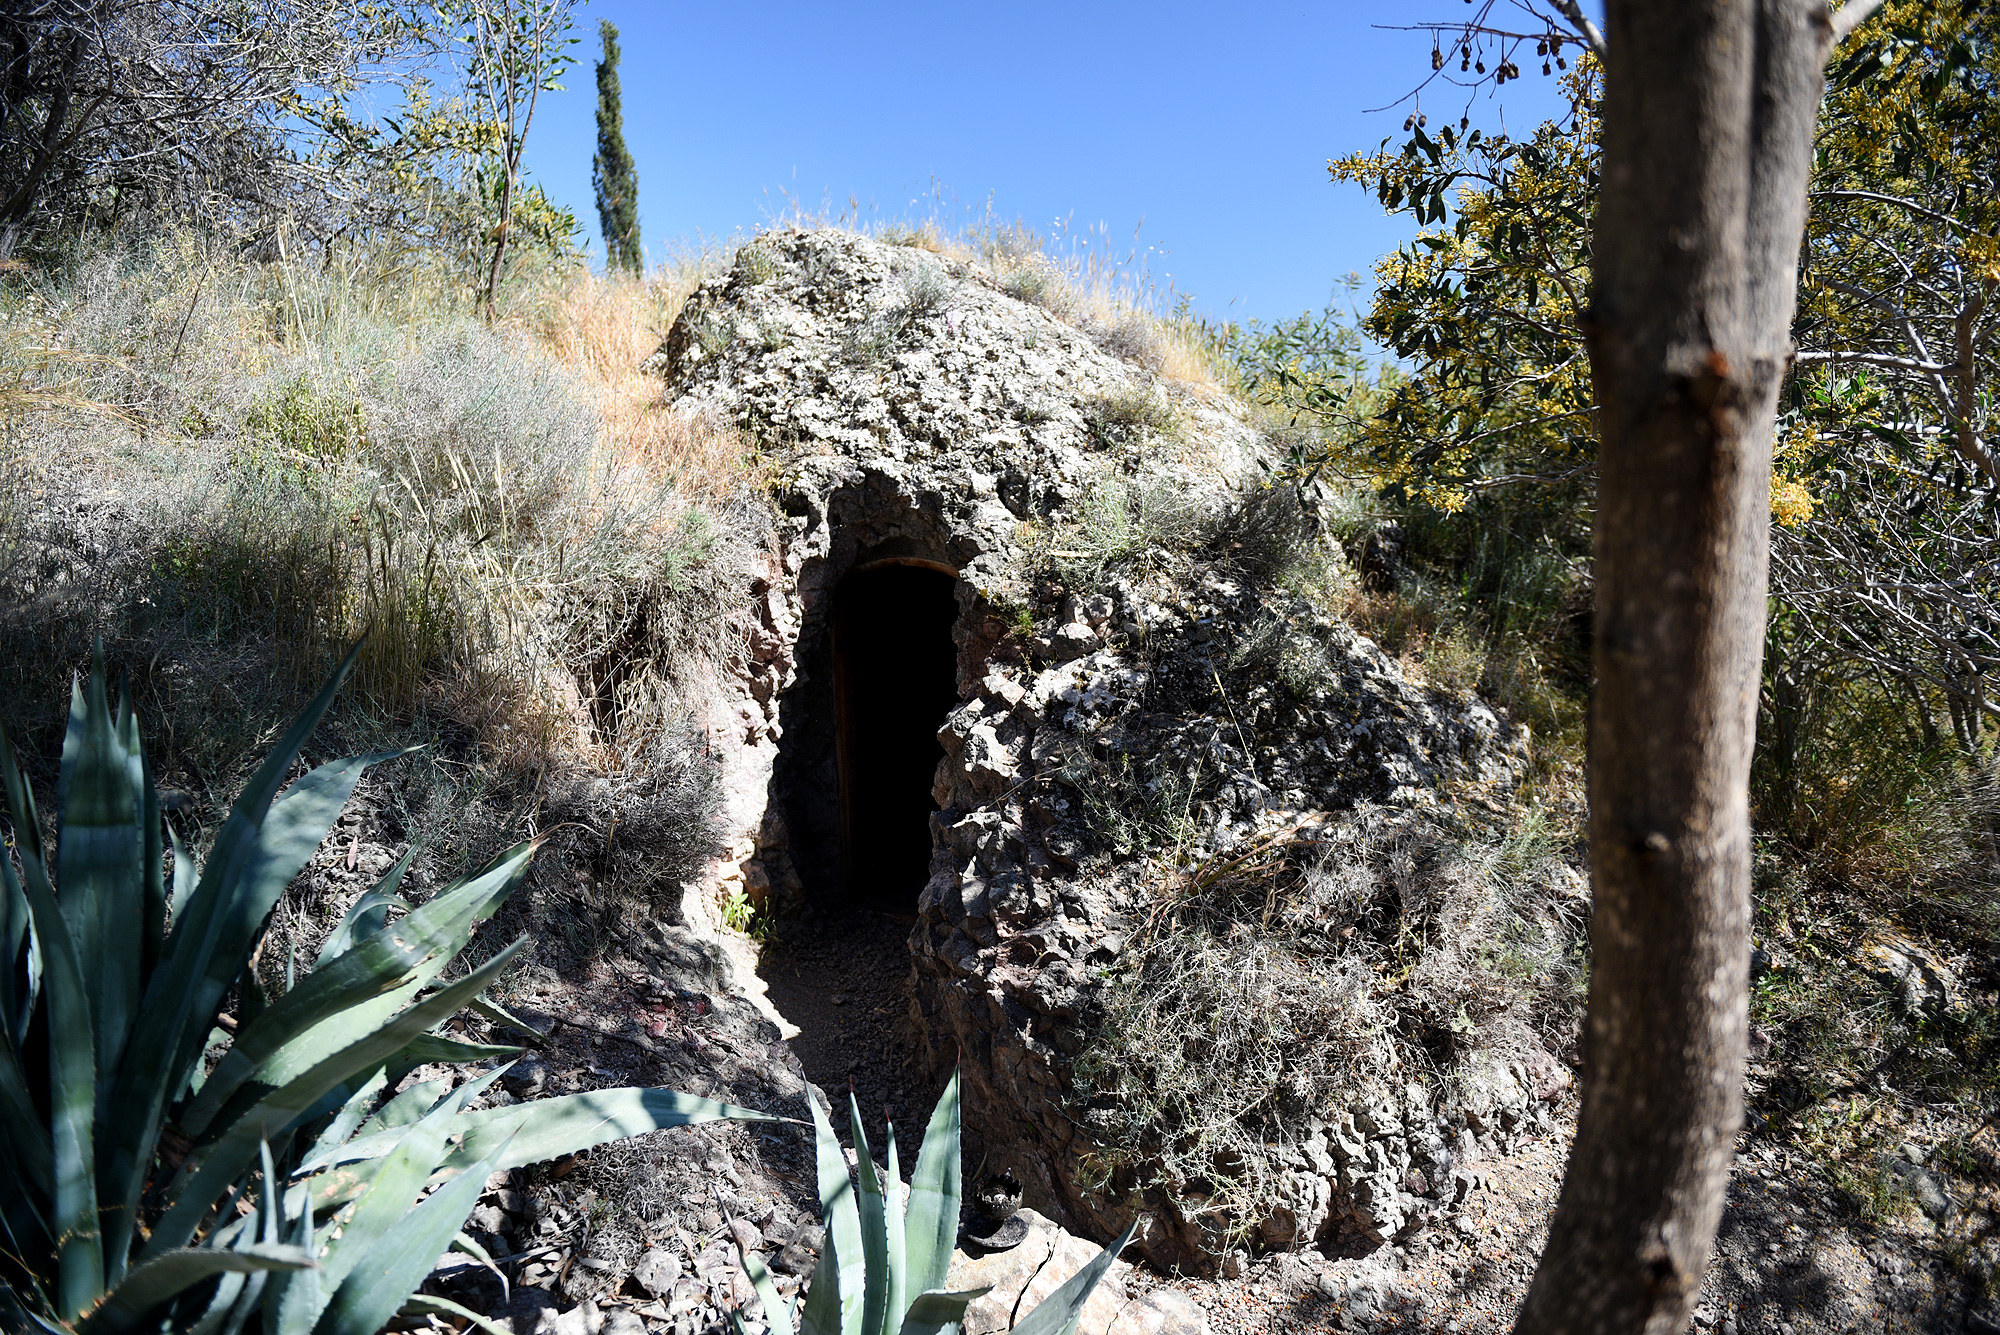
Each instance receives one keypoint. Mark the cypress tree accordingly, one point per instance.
(612, 173)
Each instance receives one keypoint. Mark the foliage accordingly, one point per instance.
(119, 110)
(1486, 311)
(888, 1246)
(1264, 979)
(516, 50)
(1895, 495)
(165, 1113)
(613, 176)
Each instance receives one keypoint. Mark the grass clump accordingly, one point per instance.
(1119, 522)
(1261, 982)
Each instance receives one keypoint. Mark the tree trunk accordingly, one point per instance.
(1708, 120)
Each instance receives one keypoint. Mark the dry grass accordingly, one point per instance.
(1080, 275)
(294, 456)
(603, 327)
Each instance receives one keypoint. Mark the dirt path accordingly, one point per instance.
(845, 984)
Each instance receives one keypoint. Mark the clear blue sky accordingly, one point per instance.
(1208, 124)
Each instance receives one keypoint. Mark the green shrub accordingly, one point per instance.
(165, 1164)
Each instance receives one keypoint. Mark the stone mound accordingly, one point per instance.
(1127, 640)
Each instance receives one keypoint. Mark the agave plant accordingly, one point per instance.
(166, 1166)
(888, 1247)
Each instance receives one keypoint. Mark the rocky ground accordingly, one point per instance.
(648, 1233)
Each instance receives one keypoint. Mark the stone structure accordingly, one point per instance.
(916, 412)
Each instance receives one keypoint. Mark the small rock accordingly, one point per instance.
(1234, 1264)
(525, 1311)
(526, 1077)
(745, 1235)
(657, 1270)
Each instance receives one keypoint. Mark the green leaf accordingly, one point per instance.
(72, 1088)
(842, 1220)
(212, 937)
(421, 1304)
(936, 1310)
(98, 851)
(935, 1186)
(383, 1279)
(892, 1217)
(1057, 1314)
(357, 989)
(777, 1315)
(436, 931)
(171, 1272)
(403, 1173)
(198, 1186)
(426, 1049)
(876, 1263)
(550, 1128)
(369, 914)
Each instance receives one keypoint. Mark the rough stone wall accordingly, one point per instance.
(913, 410)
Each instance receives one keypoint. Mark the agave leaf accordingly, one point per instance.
(186, 876)
(353, 1113)
(139, 765)
(403, 1110)
(212, 937)
(421, 1304)
(842, 1220)
(499, 1014)
(292, 1301)
(777, 1315)
(171, 1272)
(98, 852)
(403, 1173)
(354, 992)
(369, 914)
(391, 1269)
(819, 1313)
(935, 1310)
(72, 1088)
(446, 923)
(876, 1263)
(24, 1138)
(197, 1187)
(15, 941)
(550, 1128)
(892, 1227)
(1057, 1314)
(426, 1049)
(29, 1160)
(935, 1185)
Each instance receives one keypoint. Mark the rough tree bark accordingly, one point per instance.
(1708, 120)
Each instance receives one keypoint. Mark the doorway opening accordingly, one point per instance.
(895, 675)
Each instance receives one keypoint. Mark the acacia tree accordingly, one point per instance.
(1707, 149)
(613, 175)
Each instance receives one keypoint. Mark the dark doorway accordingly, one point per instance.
(895, 678)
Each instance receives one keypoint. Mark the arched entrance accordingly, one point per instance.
(895, 680)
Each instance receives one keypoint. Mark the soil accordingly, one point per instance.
(1792, 1258)
(842, 982)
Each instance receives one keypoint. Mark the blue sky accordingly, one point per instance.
(1206, 127)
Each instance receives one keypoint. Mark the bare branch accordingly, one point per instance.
(1851, 16)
